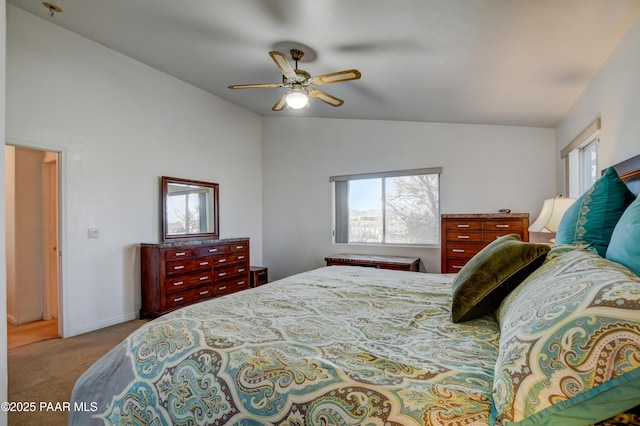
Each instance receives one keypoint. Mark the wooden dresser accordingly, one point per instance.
(373, 261)
(464, 235)
(179, 274)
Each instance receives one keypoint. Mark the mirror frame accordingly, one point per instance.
(165, 182)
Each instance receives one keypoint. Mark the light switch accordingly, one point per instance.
(94, 233)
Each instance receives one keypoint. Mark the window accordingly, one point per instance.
(401, 207)
(588, 165)
(581, 161)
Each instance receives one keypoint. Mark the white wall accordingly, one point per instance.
(485, 168)
(120, 125)
(613, 95)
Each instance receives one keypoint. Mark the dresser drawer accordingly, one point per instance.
(187, 297)
(238, 247)
(464, 236)
(231, 286)
(504, 225)
(463, 251)
(208, 251)
(229, 271)
(182, 266)
(489, 236)
(229, 259)
(463, 225)
(454, 266)
(174, 254)
(186, 281)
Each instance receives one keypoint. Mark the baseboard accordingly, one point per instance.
(12, 319)
(98, 325)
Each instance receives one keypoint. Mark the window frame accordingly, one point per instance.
(340, 205)
(575, 167)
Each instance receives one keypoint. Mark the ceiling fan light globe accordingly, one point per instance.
(297, 99)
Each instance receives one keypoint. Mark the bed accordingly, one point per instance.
(525, 334)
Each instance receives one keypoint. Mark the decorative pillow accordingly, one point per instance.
(491, 274)
(557, 250)
(593, 216)
(624, 246)
(570, 344)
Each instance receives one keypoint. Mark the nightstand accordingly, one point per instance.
(258, 275)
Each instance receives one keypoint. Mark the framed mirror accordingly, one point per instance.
(189, 209)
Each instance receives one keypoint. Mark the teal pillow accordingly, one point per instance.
(491, 274)
(624, 246)
(569, 351)
(591, 219)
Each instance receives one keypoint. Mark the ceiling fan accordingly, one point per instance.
(300, 83)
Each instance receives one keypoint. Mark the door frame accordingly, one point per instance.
(51, 229)
(61, 234)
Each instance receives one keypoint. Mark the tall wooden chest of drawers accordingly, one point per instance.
(464, 235)
(179, 274)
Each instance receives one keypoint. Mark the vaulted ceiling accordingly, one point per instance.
(512, 62)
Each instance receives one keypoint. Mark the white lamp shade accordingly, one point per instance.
(297, 99)
(552, 211)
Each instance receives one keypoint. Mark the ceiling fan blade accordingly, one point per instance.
(280, 103)
(283, 64)
(252, 86)
(336, 77)
(325, 97)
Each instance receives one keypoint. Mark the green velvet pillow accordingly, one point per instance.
(491, 274)
(624, 246)
(593, 216)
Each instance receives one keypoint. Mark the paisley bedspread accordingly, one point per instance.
(338, 345)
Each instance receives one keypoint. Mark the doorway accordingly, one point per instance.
(32, 228)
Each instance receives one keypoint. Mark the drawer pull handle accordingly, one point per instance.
(178, 283)
(178, 299)
(213, 250)
(222, 260)
(241, 282)
(502, 226)
(204, 263)
(458, 250)
(240, 257)
(457, 267)
(178, 267)
(224, 287)
(241, 270)
(239, 247)
(222, 274)
(463, 226)
(204, 278)
(463, 237)
(182, 253)
(202, 293)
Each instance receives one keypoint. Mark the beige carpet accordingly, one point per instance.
(46, 371)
